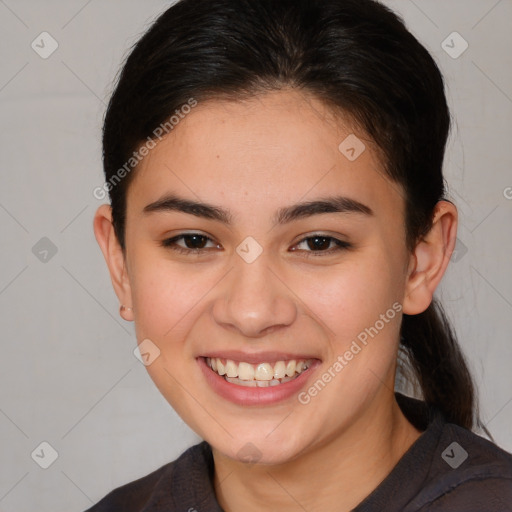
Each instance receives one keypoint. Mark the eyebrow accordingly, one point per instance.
(334, 204)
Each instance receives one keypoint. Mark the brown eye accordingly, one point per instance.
(193, 243)
(319, 245)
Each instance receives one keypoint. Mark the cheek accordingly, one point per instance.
(167, 303)
(360, 309)
(350, 297)
(166, 299)
(359, 305)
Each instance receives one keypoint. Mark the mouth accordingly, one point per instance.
(262, 374)
(265, 379)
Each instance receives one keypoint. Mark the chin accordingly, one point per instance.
(260, 450)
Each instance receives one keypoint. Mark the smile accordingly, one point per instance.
(261, 375)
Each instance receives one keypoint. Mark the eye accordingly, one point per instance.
(321, 245)
(196, 243)
(193, 243)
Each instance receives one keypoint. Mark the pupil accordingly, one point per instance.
(195, 239)
(315, 245)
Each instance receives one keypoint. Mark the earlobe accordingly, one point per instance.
(430, 259)
(114, 257)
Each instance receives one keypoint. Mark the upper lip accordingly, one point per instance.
(257, 357)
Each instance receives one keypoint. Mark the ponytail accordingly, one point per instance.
(439, 366)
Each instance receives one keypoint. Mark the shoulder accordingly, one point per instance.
(467, 473)
(161, 489)
(133, 496)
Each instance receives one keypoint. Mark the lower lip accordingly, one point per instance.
(243, 395)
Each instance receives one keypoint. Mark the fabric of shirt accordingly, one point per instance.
(448, 468)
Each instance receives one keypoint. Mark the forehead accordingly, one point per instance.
(271, 149)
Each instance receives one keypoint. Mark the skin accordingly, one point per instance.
(253, 157)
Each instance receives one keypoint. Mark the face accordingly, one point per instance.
(253, 278)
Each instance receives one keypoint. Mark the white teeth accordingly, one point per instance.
(220, 367)
(290, 368)
(279, 370)
(246, 383)
(264, 372)
(231, 368)
(261, 374)
(245, 371)
(257, 383)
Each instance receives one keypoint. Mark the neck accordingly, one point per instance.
(334, 475)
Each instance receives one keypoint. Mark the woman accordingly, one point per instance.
(277, 230)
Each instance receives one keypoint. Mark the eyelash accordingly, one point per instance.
(170, 243)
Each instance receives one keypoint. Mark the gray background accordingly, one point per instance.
(68, 373)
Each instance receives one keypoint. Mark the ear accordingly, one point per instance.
(114, 256)
(430, 259)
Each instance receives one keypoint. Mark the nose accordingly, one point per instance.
(254, 300)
